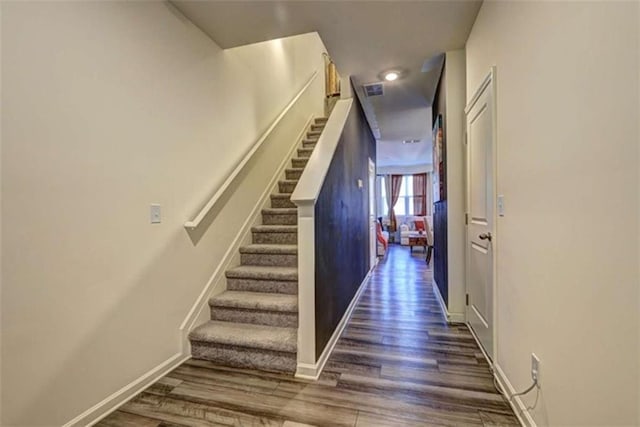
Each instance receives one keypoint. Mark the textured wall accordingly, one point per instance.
(342, 226)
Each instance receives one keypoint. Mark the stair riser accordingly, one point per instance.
(287, 187)
(322, 121)
(268, 286)
(317, 127)
(313, 134)
(286, 219)
(299, 163)
(241, 357)
(304, 153)
(276, 238)
(269, 260)
(293, 174)
(256, 317)
(309, 144)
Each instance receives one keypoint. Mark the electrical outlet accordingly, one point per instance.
(535, 368)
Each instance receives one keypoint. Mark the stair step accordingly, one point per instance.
(313, 133)
(279, 200)
(278, 234)
(321, 120)
(263, 273)
(309, 143)
(299, 163)
(287, 185)
(318, 126)
(293, 173)
(280, 216)
(256, 301)
(246, 345)
(256, 308)
(305, 152)
(280, 255)
(283, 280)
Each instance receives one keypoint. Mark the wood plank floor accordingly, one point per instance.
(398, 363)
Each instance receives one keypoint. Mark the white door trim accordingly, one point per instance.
(490, 79)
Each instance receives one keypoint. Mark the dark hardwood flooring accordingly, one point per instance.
(398, 363)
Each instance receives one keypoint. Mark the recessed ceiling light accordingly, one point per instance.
(391, 76)
(411, 141)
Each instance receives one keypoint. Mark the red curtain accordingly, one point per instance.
(420, 194)
(392, 196)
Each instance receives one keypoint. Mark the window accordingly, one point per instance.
(404, 205)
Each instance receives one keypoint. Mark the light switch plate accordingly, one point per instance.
(155, 214)
(500, 205)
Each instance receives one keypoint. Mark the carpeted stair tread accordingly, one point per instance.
(260, 272)
(247, 335)
(275, 229)
(288, 181)
(280, 211)
(263, 248)
(256, 301)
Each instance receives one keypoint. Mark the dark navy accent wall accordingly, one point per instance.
(342, 225)
(440, 252)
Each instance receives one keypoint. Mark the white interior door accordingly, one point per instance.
(480, 209)
(373, 241)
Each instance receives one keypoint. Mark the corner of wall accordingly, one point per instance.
(455, 91)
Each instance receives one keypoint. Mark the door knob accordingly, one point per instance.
(485, 236)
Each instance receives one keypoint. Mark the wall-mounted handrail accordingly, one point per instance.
(211, 203)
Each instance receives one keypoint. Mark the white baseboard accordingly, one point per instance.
(518, 406)
(451, 317)
(216, 282)
(102, 409)
(313, 371)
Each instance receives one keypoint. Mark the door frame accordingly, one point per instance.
(489, 80)
(371, 215)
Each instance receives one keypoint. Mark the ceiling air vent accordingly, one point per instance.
(374, 89)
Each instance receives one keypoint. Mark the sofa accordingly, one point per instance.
(408, 226)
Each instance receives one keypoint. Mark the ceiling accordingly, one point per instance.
(364, 39)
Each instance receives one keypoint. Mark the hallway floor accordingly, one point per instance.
(398, 363)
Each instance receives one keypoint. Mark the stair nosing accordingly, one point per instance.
(255, 301)
(263, 248)
(252, 272)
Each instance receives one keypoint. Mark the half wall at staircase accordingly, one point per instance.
(342, 226)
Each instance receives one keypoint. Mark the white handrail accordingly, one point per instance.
(211, 203)
(312, 179)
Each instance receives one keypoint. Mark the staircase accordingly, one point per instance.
(254, 322)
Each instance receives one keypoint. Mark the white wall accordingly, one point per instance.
(106, 108)
(454, 133)
(567, 252)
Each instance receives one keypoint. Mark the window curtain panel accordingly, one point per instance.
(420, 194)
(392, 183)
(429, 197)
